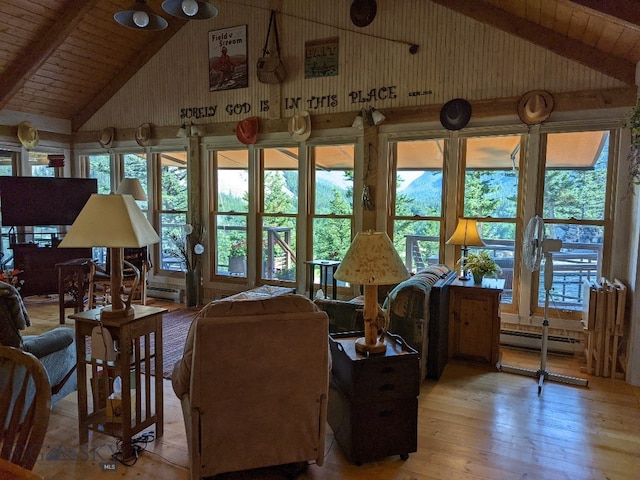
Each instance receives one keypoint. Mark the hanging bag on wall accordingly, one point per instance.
(270, 67)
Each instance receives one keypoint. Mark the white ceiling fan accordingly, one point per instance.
(534, 247)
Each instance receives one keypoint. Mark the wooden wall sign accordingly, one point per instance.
(321, 58)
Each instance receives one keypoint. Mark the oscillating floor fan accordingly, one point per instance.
(535, 247)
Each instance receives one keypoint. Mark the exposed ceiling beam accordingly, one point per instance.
(618, 68)
(49, 38)
(133, 65)
(622, 11)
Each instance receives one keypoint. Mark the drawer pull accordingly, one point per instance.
(387, 387)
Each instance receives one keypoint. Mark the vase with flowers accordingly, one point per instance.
(238, 257)
(480, 265)
(187, 245)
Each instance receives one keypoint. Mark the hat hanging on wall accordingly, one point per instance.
(363, 12)
(28, 135)
(300, 126)
(143, 135)
(106, 137)
(455, 114)
(535, 106)
(247, 130)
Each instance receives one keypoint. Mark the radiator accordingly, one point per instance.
(603, 321)
(164, 293)
(533, 341)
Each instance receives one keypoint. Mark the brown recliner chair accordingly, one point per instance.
(253, 384)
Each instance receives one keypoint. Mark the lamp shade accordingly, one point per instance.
(132, 186)
(140, 17)
(372, 260)
(190, 9)
(110, 221)
(466, 234)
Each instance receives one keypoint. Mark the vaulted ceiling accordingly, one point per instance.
(66, 58)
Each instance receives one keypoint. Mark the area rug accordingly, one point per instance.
(175, 326)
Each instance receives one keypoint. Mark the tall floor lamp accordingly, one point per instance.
(371, 260)
(466, 235)
(116, 222)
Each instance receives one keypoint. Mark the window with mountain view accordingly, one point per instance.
(332, 209)
(172, 210)
(231, 207)
(491, 194)
(416, 218)
(574, 209)
(279, 213)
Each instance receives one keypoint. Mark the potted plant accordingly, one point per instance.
(238, 257)
(481, 265)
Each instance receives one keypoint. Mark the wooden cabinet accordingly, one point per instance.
(373, 400)
(474, 320)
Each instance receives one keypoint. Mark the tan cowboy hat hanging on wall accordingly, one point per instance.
(28, 135)
(106, 137)
(143, 135)
(535, 107)
(300, 126)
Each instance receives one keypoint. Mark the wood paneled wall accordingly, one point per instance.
(457, 57)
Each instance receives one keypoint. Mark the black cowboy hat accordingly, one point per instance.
(455, 114)
(363, 12)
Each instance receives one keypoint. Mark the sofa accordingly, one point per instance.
(55, 349)
(253, 384)
(418, 311)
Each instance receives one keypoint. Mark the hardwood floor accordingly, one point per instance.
(474, 423)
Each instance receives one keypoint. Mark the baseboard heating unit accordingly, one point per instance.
(533, 341)
(164, 293)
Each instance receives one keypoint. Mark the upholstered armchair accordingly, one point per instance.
(253, 384)
(55, 349)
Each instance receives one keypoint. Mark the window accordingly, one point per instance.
(99, 167)
(39, 165)
(491, 189)
(231, 208)
(172, 209)
(279, 213)
(575, 199)
(333, 170)
(135, 166)
(416, 208)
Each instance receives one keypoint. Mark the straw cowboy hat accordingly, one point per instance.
(106, 137)
(535, 106)
(363, 12)
(455, 114)
(28, 135)
(247, 130)
(300, 126)
(143, 135)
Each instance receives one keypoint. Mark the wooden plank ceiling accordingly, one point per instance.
(66, 58)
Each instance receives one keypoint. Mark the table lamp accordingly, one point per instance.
(116, 222)
(371, 260)
(466, 235)
(132, 186)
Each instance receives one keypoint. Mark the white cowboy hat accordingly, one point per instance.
(106, 137)
(300, 126)
(143, 135)
(535, 106)
(28, 135)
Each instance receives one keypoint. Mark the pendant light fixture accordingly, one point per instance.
(140, 17)
(190, 9)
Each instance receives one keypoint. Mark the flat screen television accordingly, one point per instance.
(43, 200)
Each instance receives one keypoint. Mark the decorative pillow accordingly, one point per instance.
(13, 316)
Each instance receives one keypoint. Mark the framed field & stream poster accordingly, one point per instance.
(228, 59)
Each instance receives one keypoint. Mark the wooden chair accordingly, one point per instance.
(100, 280)
(25, 402)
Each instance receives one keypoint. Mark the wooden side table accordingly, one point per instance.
(474, 320)
(139, 341)
(373, 400)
